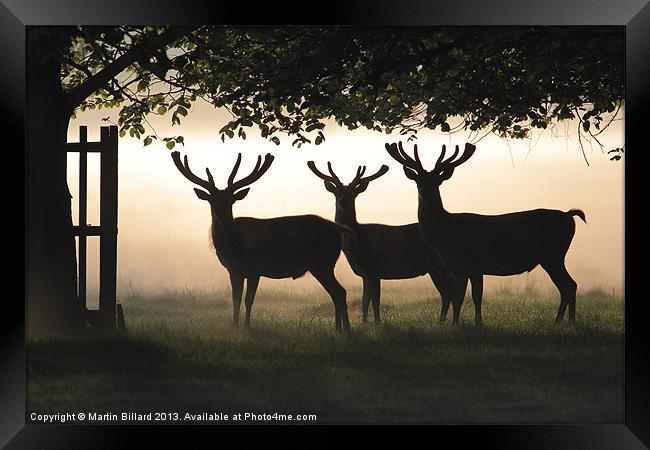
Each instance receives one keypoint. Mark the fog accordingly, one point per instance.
(164, 228)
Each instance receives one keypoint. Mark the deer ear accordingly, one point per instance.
(202, 194)
(446, 174)
(362, 187)
(240, 194)
(410, 173)
(329, 186)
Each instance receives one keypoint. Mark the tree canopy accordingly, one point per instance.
(289, 80)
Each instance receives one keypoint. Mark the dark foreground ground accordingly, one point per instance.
(180, 355)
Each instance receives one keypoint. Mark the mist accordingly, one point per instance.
(164, 243)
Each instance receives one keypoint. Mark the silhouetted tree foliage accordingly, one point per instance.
(289, 79)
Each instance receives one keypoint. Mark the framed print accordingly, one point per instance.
(379, 215)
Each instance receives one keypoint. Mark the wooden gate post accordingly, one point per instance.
(83, 214)
(109, 316)
(108, 221)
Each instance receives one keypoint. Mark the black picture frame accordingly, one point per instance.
(634, 15)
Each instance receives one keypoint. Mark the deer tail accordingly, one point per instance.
(577, 212)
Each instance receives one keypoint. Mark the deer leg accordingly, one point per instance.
(251, 289)
(567, 287)
(365, 299)
(477, 296)
(561, 310)
(327, 279)
(446, 293)
(446, 300)
(459, 296)
(375, 295)
(572, 304)
(237, 285)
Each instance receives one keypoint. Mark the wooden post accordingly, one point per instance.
(83, 219)
(108, 222)
(105, 317)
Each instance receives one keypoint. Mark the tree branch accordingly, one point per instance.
(135, 54)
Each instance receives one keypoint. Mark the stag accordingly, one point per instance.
(376, 251)
(472, 245)
(280, 247)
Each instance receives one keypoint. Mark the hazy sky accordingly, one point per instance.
(164, 228)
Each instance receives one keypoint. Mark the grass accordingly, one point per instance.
(181, 354)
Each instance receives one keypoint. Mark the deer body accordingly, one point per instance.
(505, 244)
(472, 245)
(262, 247)
(388, 252)
(280, 247)
(377, 251)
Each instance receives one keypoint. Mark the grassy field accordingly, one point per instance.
(180, 354)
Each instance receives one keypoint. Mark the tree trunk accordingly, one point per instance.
(51, 291)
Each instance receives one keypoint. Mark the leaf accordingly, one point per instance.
(170, 144)
(161, 110)
(313, 126)
(444, 127)
(318, 140)
(148, 141)
(185, 102)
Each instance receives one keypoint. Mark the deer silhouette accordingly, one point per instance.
(474, 244)
(280, 247)
(377, 251)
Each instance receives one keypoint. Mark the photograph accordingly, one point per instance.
(379, 223)
(359, 183)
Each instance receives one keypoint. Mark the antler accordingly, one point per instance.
(332, 178)
(398, 154)
(259, 170)
(359, 178)
(442, 164)
(233, 172)
(184, 169)
(449, 163)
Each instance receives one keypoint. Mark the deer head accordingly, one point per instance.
(346, 193)
(429, 179)
(221, 200)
